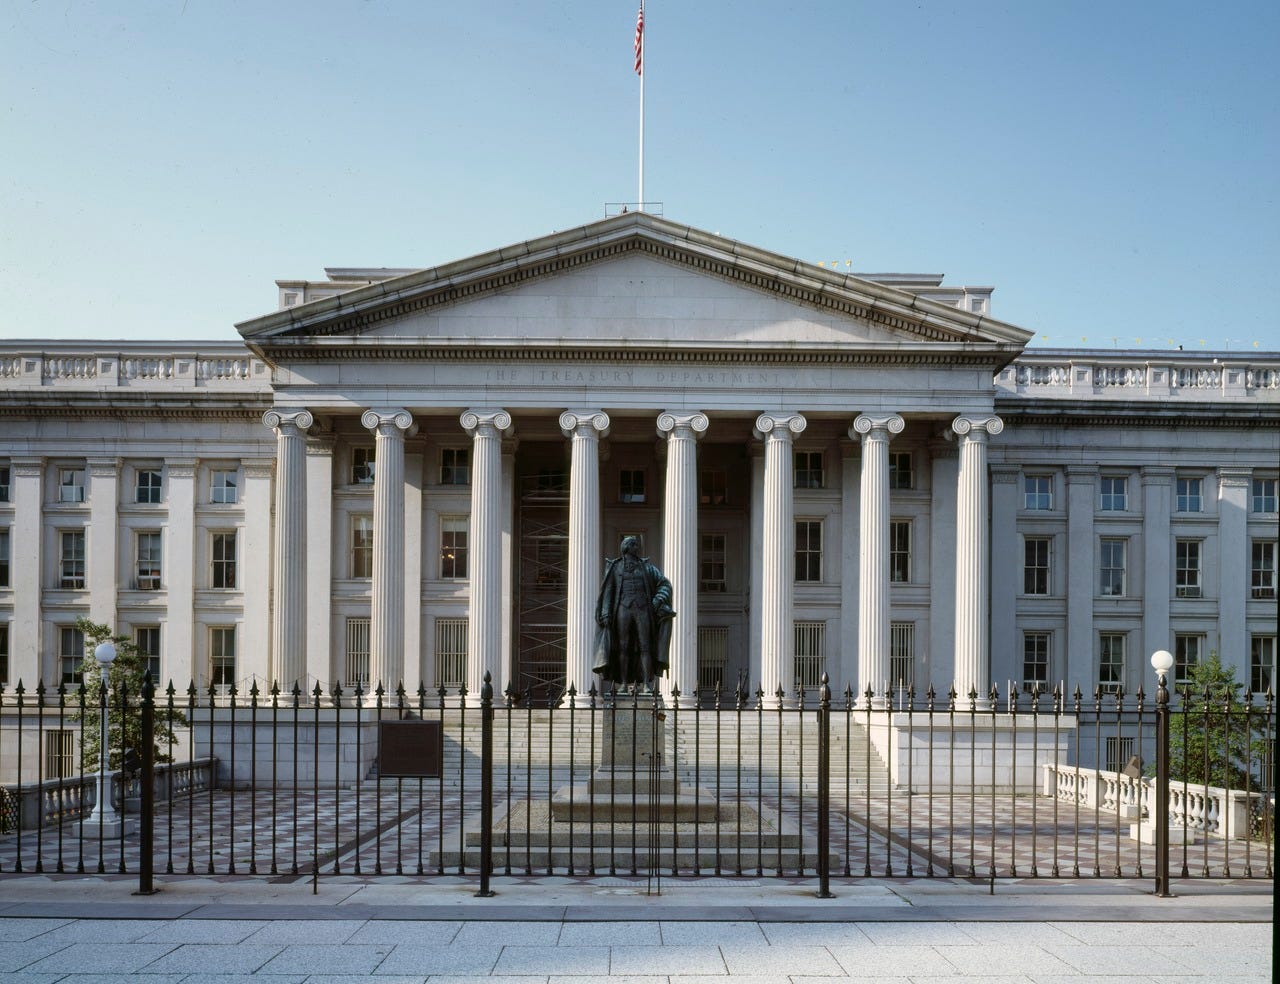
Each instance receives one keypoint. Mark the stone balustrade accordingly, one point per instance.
(1208, 810)
(212, 365)
(1139, 376)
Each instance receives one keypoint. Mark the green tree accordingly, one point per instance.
(1211, 738)
(124, 725)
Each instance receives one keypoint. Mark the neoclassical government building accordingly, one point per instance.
(414, 476)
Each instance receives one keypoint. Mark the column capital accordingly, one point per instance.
(319, 445)
(485, 421)
(680, 423)
(387, 421)
(584, 421)
(258, 467)
(782, 425)
(103, 467)
(27, 467)
(1082, 474)
(977, 426)
(283, 419)
(1005, 474)
(873, 425)
(1234, 477)
(1157, 475)
(181, 467)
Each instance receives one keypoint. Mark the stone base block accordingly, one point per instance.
(1145, 833)
(583, 804)
(108, 830)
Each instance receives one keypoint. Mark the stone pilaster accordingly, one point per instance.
(876, 430)
(104, 540)
(1233, 567)
(253, 647)
(973, 573)
(943, 460)
(1082, 571)
(1157, 562)
(26, 541)
(486, 428)
(584, 428)
(777, 556)
(680, 545)
(289, 548)
(386, 623)
(179, 660)
(1006, 573)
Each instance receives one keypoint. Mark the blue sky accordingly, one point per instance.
(1110, 167)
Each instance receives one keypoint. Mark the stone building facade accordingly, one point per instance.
(414, 476)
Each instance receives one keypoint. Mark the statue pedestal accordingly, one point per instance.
(632, 782)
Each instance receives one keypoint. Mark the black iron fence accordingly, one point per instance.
(805, 785)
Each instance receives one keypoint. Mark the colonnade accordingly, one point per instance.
(682, 430)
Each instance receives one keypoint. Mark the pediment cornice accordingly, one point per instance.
(359, 311)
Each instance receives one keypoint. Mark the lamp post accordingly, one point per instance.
(1162, 662)
(104, 816)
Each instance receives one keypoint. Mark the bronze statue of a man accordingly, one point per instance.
(634, 615)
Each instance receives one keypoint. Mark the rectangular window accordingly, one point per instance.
(148, 566)
(631, 485)
(1111, 661)
(4, 483)
(1114, 550)
(1262, 663)
(70, 654)
(1188, 649)
(900, 551)
(1186, 570)
(71, 560)
(713, 652)
(147, 639)
(222, 657)
(1114, 493)
(59, 753)
(1263, 497)
(901, 475)
(362, 546)
(713, 487)
(4, 653)
(1035, 661)
(455, 466)
(711, 574)
(1190, 494)
(808, 470)
(4, 557)
(811, 653)
(222, 551)
(1037, 492)
(71, 485)
(1035, 565)
(146, 486)
(451, 652)
(362, 465)
(357, 652)
(1119, 752)
(1262, 569)
(453, 547)
(808, 550)
(902, 655)
(223, 485)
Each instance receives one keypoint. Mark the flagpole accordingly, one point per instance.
(640, 40)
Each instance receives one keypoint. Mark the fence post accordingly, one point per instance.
(146, 834)
(824, 789)
(486, 787)
(1162, 662)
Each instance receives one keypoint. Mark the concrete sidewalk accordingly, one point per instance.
(91, 930)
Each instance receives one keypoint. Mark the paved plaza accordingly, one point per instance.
(542, 931)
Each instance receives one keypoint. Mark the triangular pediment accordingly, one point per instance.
(633, 280)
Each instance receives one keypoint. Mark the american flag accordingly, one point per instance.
(640, 41)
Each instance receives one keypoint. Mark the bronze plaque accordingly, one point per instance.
(410, 749)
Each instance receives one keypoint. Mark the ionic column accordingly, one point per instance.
(876, 431)
(777, 558)
(179, 663)
(973, 574)
(319, 588)
(26, 541)
(289, 547)
(484, 617)
(1233, 570)
(584, 428)
(386, 624)
(680, 546)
